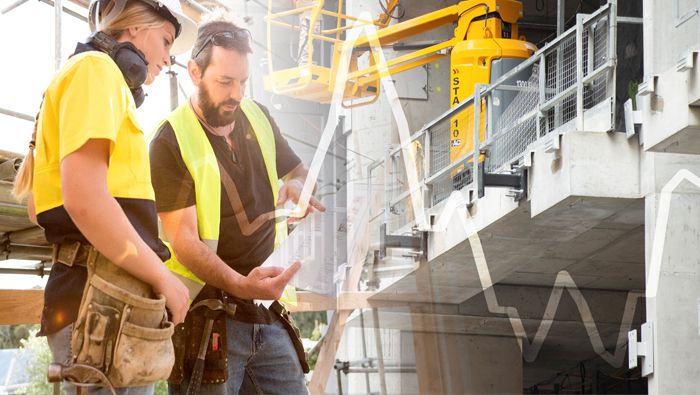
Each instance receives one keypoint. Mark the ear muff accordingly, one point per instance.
(128, 58)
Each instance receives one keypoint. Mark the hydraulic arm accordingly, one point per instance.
(484, 46)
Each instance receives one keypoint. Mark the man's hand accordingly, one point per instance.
(291, 190)
(266, 283)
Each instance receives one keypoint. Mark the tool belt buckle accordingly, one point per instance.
(55, 253)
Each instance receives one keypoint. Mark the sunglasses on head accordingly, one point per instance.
(224, 39)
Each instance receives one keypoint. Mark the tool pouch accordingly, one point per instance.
(122, 329)
(280, 311)
(187, 338)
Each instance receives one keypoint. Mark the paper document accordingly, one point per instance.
(315, 242)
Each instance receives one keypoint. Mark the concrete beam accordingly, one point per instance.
(670, 114)
(576, 234)
(606, 307)
(600, 165)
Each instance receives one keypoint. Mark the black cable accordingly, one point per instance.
(582, 370)
(390, 13)
(486, 6)
(619, 378)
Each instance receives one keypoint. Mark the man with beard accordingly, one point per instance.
(216, 162)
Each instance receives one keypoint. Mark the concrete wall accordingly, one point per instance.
(674, 310)
(666, 38)
(670, 125)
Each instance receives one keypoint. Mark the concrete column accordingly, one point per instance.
(675, 310)
(468, 364)
(454, 363)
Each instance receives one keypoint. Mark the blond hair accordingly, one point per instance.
(135, 14)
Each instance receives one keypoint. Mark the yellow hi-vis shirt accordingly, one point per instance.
(89, 99)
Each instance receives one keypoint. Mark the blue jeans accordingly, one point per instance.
(59, 344)
(261, 360)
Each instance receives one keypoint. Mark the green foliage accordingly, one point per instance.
(307, 322)
(311, 358)
(37, 368)
(161, 388)
(12, 335)
(632, 90)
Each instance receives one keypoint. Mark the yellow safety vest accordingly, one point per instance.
(201, 162)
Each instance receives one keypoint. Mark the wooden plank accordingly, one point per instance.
(6, 192)
(31, 236)
(21, 306)
(428, 365)
(445, 323)
(426, 345)
(331, 341)
(8, 155)
(309, 301)
(326, 357)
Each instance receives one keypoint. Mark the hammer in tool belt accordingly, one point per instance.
(212, 306)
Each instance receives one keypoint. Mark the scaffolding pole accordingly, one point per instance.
(58, 16)
(16, 114)
(561, 12)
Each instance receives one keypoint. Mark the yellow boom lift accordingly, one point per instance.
(485, 45)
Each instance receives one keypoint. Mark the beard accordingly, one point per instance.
(213, 113)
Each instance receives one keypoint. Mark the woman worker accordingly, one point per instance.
(88, 180)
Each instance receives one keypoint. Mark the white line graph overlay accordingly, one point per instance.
(456, 204)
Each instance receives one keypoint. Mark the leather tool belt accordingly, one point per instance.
(71, 254)
(188, 338)
(122, 329)
(190, 335)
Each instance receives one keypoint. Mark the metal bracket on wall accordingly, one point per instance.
(517, 181)
(632, 118)
(686, 61)
(644, 349)
(419, 242)
(648, 86)
(681, 19)
(552, 143)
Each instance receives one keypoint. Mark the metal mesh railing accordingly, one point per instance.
(516, 128)
(559, 85)
(597, 35)
(439, 152)
(548, 93)
(401, 208)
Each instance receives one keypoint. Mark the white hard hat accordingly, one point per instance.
(185, 28)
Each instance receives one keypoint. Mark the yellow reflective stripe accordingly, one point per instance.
(193, 283)
(212, 244)
(289, 296)
(200, 160)
(280, 233)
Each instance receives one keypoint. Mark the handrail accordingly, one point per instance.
(551, 97)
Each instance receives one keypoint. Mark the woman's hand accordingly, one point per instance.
(177, 296)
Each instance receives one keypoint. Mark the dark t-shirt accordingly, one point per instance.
(241, 246)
